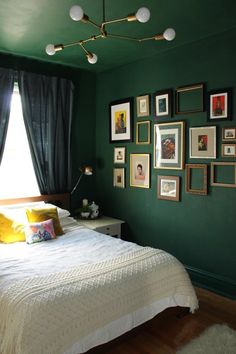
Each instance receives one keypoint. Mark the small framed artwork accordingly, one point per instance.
(163, 103)
(190, 99)
(196, 179)
(143, 133)
(119, 154)
(143, 106)
(202, 142)
(219, 105)
(223, 174)
(168, 188)
(140, 170)
(119, 177)
(169, 145)
(228, 134)
(121, 120)
(228, 150)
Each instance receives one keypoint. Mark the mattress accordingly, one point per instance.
(83, 267)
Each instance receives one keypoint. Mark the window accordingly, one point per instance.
(17, 177)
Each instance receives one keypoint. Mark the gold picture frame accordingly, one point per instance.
(119, 154)
(119, 177)
(202, 142)
(214, 183)
(186, 94)
(140, 170)
(189, 170)
(139, 140)
(228, 150)
(143, 106)
(228, 134)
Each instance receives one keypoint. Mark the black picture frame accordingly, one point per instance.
(121, 120)
(199, 102)
(223, 98)
(163, 103)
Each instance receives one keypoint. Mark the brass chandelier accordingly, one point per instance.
(77, 14)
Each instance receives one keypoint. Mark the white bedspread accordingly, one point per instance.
(55, 294)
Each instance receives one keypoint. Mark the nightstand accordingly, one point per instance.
(104, 224)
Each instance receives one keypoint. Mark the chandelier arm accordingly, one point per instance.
(114, 21)
(123, 37)
(157, 37)
(93, 23)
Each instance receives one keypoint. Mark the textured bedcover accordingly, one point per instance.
(48, 313)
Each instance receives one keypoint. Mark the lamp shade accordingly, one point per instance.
(50, 49)
(88, 170)
(92, 58)
(76, 13)
(143, 14)
(169, 34)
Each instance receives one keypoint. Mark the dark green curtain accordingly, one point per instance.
(6, 89)
(47, 111)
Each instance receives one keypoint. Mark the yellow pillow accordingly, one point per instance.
(43, 214)
(10, 230)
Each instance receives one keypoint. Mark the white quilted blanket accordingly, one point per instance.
(47, 314)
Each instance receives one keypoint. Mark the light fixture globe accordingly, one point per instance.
(50, 49)
(92, 58)
(76, 13)
(143, 14)
(169, 34)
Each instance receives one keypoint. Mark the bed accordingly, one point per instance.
(82, 289)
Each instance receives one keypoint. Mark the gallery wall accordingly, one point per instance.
(198, 230)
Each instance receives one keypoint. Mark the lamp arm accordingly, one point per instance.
(77, 183)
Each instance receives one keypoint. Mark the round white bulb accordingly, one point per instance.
(169, 34)
(50, 49)
(76, 13)
(93, 59)
(143, 14)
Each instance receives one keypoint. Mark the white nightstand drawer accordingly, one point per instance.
(112, 230)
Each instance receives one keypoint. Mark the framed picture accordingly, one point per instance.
(190, 99)
(219, 104)
(119, 154)
(196, 179)
(143, 106)
(228, 150)
(223, 174)
(143, 133)
(121, 120)
(119, 177)
(140, 170)
(168, 187)
(169, 145)
(202, 142)
(163, 103)
(228, 134)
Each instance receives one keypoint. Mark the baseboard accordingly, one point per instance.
(213, 282)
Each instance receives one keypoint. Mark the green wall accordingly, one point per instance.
(198, 230)
(83, 122)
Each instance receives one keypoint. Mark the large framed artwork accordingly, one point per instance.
(169, 145)
(121, 120)
(219, 105)
(202, 142)
(140, 170)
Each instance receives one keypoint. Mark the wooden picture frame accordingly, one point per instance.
(228, 150)
(192, 96)
(146, 139)
(143, 106)
(202, 142)
(121, 120)
(168, 187)
(140, 170)
(229, 134)
(163, 103)
(190, 168)
(119, 177)
(214, 182)
(169, 145)
(119, 154)
(219, 105)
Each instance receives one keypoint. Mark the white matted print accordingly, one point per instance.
(228, 150)
(121, 120)
(143, 106)
(202, 142)
(168, 187)
(119, 177)
(119, 154)
(228, 133)
(140, 170)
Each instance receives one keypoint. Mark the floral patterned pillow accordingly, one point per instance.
(39, 231)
